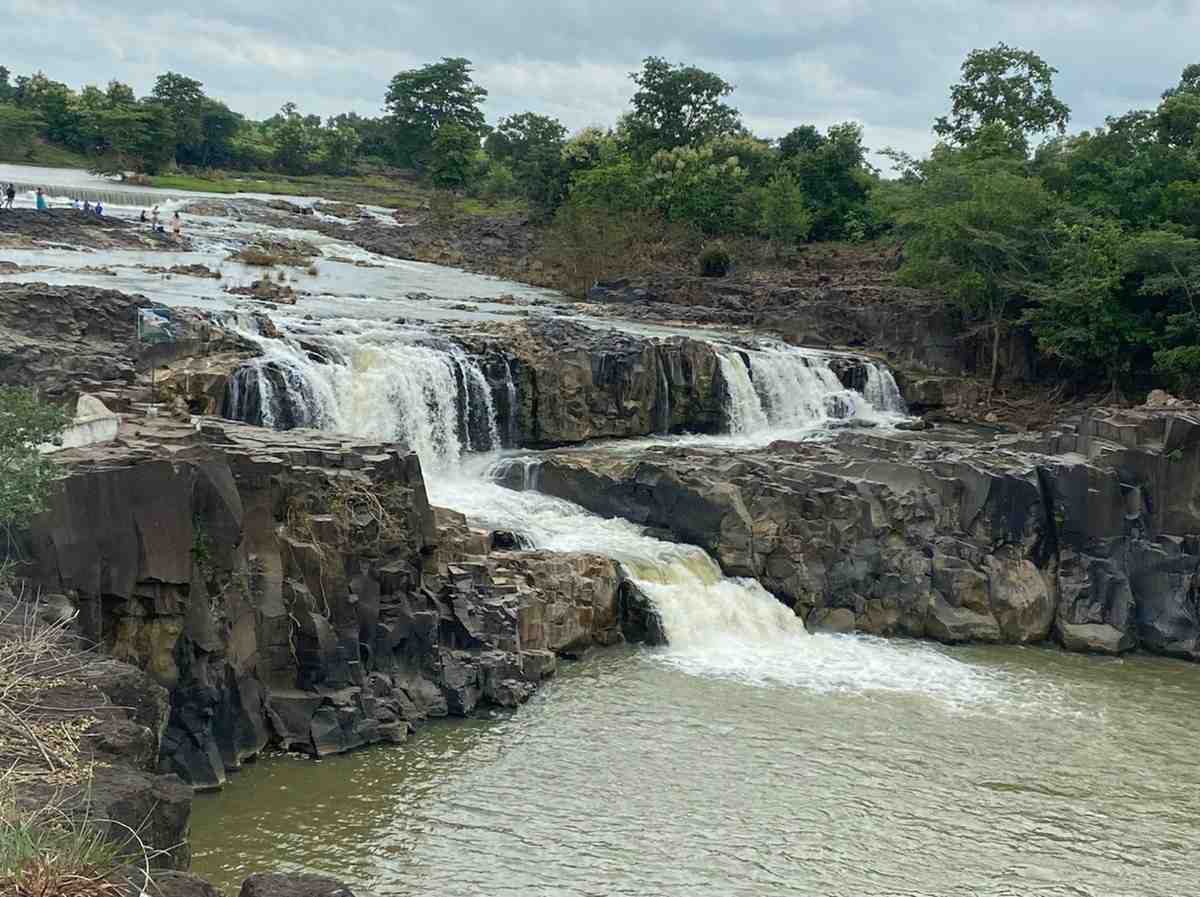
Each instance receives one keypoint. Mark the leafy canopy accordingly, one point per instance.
(1007, 85)
(677, 105)
(422, 101)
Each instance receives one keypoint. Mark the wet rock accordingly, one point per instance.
(296, 885)
(179, 884)
(640, 620)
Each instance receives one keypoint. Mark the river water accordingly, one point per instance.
(748, 757)
(1020, 772)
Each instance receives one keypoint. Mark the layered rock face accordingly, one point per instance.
(574, 383)
(68, 340)
(294, 588)
(1083, 535)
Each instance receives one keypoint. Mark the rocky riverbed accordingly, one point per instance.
(283, 547)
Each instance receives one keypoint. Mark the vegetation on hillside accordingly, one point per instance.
(1091, 240)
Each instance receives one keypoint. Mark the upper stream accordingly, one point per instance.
(748, 757)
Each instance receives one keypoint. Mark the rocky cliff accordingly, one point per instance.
(1085, 535)
(297, 589)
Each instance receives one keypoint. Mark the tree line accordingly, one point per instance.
(1090, 240)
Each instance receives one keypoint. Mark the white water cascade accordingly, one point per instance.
(778, 387)
(386, 383)
(882, 392)
(717, 626)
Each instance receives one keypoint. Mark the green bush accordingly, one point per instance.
(715, 261)
(25, 423)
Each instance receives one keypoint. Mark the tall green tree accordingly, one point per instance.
(978, 231)
(183, 99)
(531, 146)
(1087, 312)
(422, 101)
(677, 105)
(1007, 85)
(453, 156)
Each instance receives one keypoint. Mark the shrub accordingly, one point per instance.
(256, 256)
(715, 261)
(25, 423)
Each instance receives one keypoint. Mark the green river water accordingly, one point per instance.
(1046, 774)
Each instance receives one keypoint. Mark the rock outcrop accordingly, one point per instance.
(68, 340)
(295, 589)
(1085, 535)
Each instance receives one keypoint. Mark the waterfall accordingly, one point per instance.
(662, 399)
(882, 392)
(743, 407)
(510, 392)
(434, 398)
(717, 626)
(783, 388)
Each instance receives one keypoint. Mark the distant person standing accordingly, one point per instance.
(99, 209)
(176, 226)
(10, 193)
(41, 203)
(142, 217)
(87, 205)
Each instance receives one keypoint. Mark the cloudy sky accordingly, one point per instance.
(885, 64)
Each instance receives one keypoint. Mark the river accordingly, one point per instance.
(1014, 772)
(748, 757)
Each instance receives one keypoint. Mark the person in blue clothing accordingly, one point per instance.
(99, 209)
(41, 200)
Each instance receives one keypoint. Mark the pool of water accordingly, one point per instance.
(1043, 774)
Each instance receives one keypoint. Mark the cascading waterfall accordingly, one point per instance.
(743, 407)
(882, 392)
(784, 388)
(717, 626)
(662, 398)
(435, 399)
(510, 392)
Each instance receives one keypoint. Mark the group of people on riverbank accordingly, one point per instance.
(156, 225)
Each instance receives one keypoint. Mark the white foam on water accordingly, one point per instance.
(717, 626)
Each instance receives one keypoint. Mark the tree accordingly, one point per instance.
(6, 88)
(1003, 84)
(454, 151)
(25, 423)
(1087, 315)
(183, 98)
(339, 147)
(422, 101)
(531, 145)
(677, 105)
(294, 141)
(834, 178)
(800, 140)
(697, 187)
(119, 94)
(18, 127)
(978, 231)
(785, 218)
(137, 138)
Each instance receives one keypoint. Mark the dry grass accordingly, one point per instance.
(259, 258)
(51, 851)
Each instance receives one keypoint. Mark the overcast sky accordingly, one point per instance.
(885, 64)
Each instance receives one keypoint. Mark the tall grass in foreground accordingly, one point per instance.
(59, 849)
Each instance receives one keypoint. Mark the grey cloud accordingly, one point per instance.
(886, 64)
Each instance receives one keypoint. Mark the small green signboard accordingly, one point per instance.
(155, 325)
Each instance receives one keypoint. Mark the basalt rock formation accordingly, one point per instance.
(73, 339)
(296, 589)
(1084, 535)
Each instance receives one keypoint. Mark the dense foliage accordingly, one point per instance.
(1091, 241)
